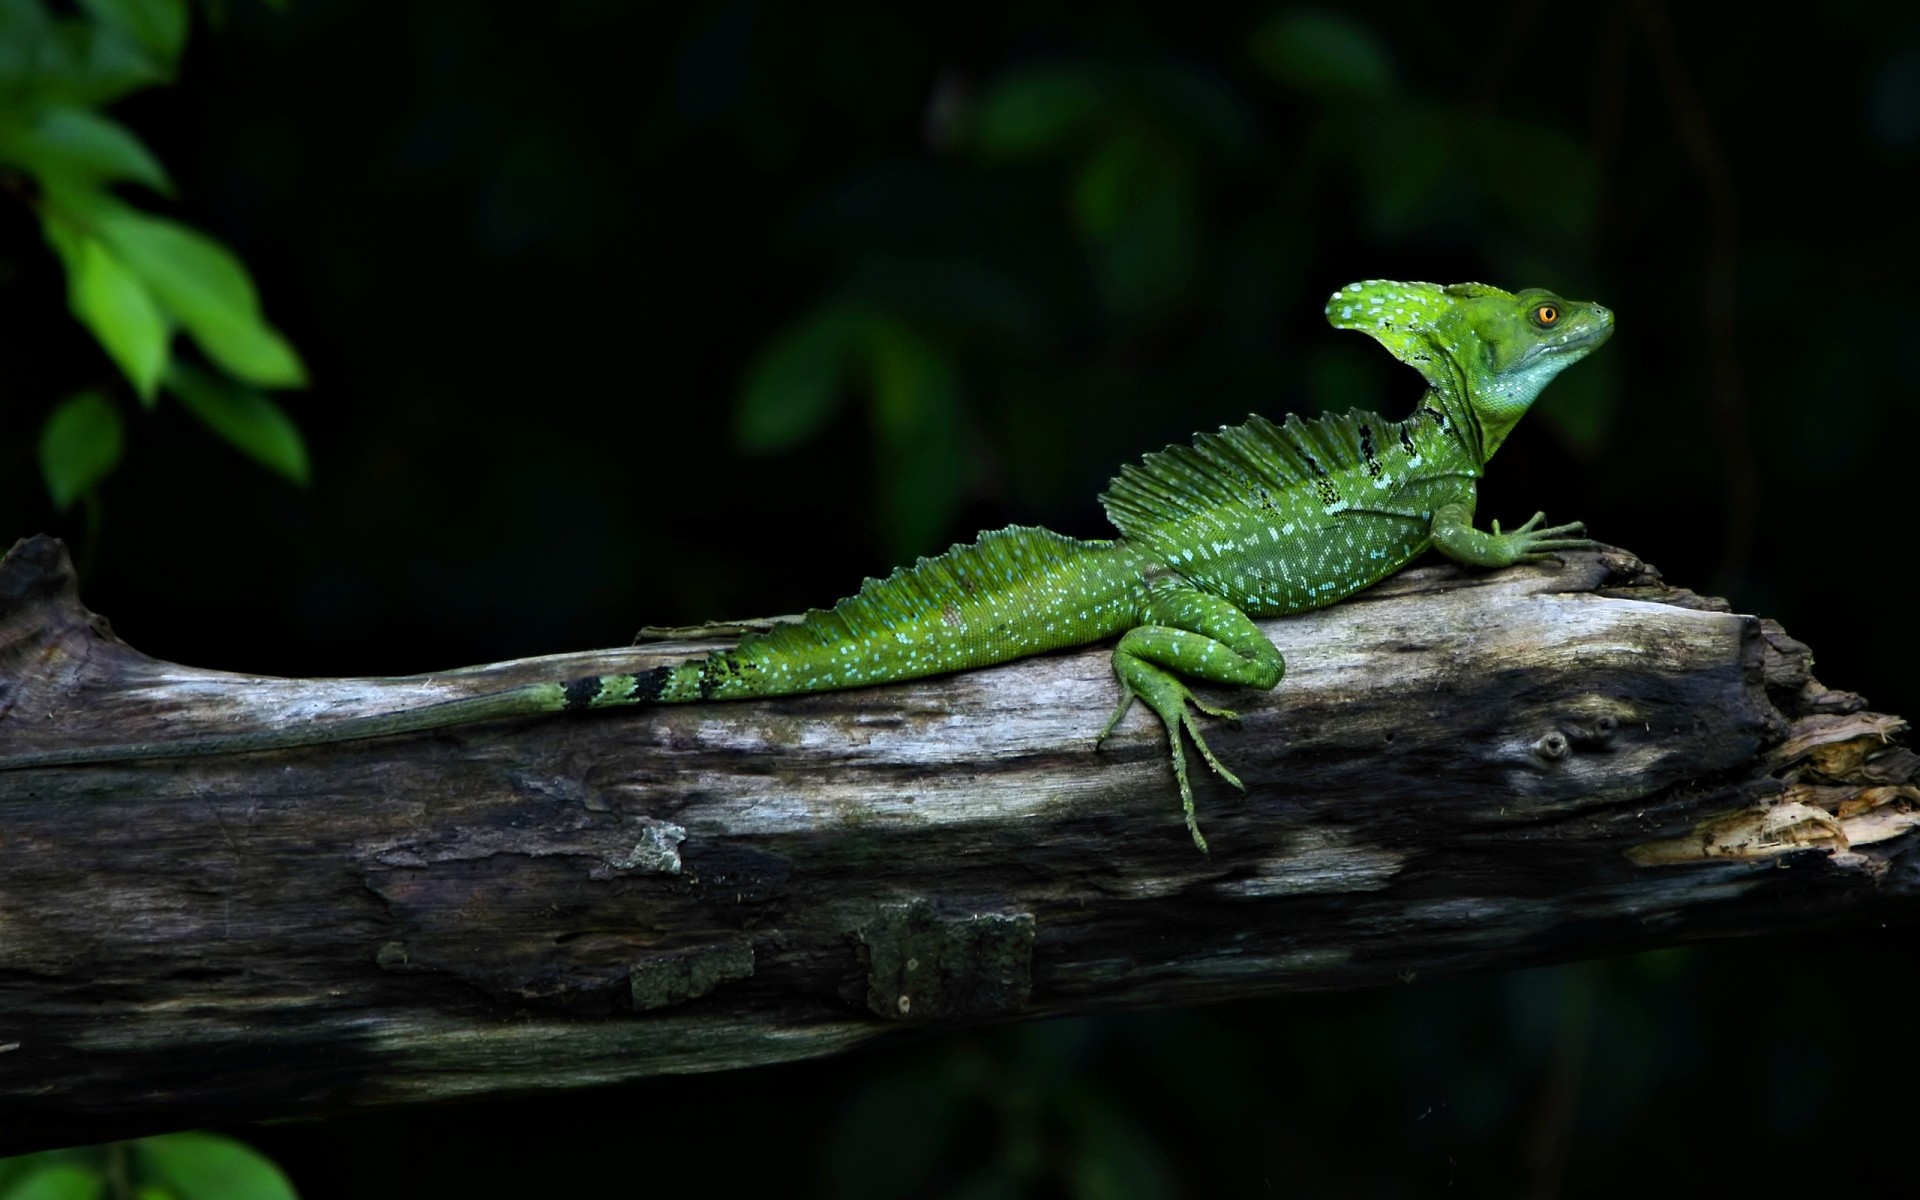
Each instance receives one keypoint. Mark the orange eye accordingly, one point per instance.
(1546, 314)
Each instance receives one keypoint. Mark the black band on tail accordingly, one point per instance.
(610, 691)
(581, 693)
(648, 684)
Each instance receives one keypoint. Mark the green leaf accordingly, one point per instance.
(1536, 173)
(1404, 154)
(77, 146)
(798, 383)
(206, 289)
(1034, 111)
(249, 420)
(112, 302)
(28, 40)
(1114, 1158)
(1134, 201)
(202, 1166)
(71, 61)
(1329, 56)
(57, 1181)
(159, 26)
(79, 446)
(916, 416)
(803, 378)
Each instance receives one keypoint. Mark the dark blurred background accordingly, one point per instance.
(619, 316)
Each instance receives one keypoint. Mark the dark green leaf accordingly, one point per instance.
(16, 1170)
(1134, 201)
(1199, 105)
(201, 1166)
(1403, 154)
(79, 446)
(246, 418)
(113, 302)
(26, 41)
(57, 1181)
(71, 61)
(1113, 1158)
(206, 289)
(1534, 173)
(160, 26)
(1327, 55)
(890, 1136)
(1109, 185)
(798, 383)
(78, 146)
(916, 415)
(1036, 110)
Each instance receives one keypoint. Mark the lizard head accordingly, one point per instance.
(1494, 350)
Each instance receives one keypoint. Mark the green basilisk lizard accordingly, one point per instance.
(1257, 520)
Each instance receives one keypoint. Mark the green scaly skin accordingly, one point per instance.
(1256, 520)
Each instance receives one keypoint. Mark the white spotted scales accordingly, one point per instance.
(1256, 520)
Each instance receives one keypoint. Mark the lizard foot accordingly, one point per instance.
(1176, 706)
(1529, 543)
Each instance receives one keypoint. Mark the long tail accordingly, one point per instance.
(1015, 592)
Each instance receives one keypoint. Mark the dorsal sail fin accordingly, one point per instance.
(1234, 466)
(960, 578)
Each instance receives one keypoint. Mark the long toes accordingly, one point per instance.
(1219, 768)
(1193, 827)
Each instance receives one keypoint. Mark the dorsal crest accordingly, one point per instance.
(1242, 464)
(959, 579)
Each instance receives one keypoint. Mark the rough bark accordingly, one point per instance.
(1461, 769)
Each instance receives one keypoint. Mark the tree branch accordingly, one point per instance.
(1462, 769)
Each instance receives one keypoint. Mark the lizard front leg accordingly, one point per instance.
(1455, 537)
(1203, 636)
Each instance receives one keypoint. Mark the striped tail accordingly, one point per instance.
(1015, 592)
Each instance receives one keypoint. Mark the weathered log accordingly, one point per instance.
(1461, 769)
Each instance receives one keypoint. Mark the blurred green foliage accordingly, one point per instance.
(178, 1166)
(134, 279)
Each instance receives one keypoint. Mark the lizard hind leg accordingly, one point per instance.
(1207, 638)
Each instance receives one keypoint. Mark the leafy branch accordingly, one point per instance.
(135, 279)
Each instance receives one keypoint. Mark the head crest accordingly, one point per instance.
(1405, 318)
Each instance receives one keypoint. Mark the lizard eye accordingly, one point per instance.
(1545, 315)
